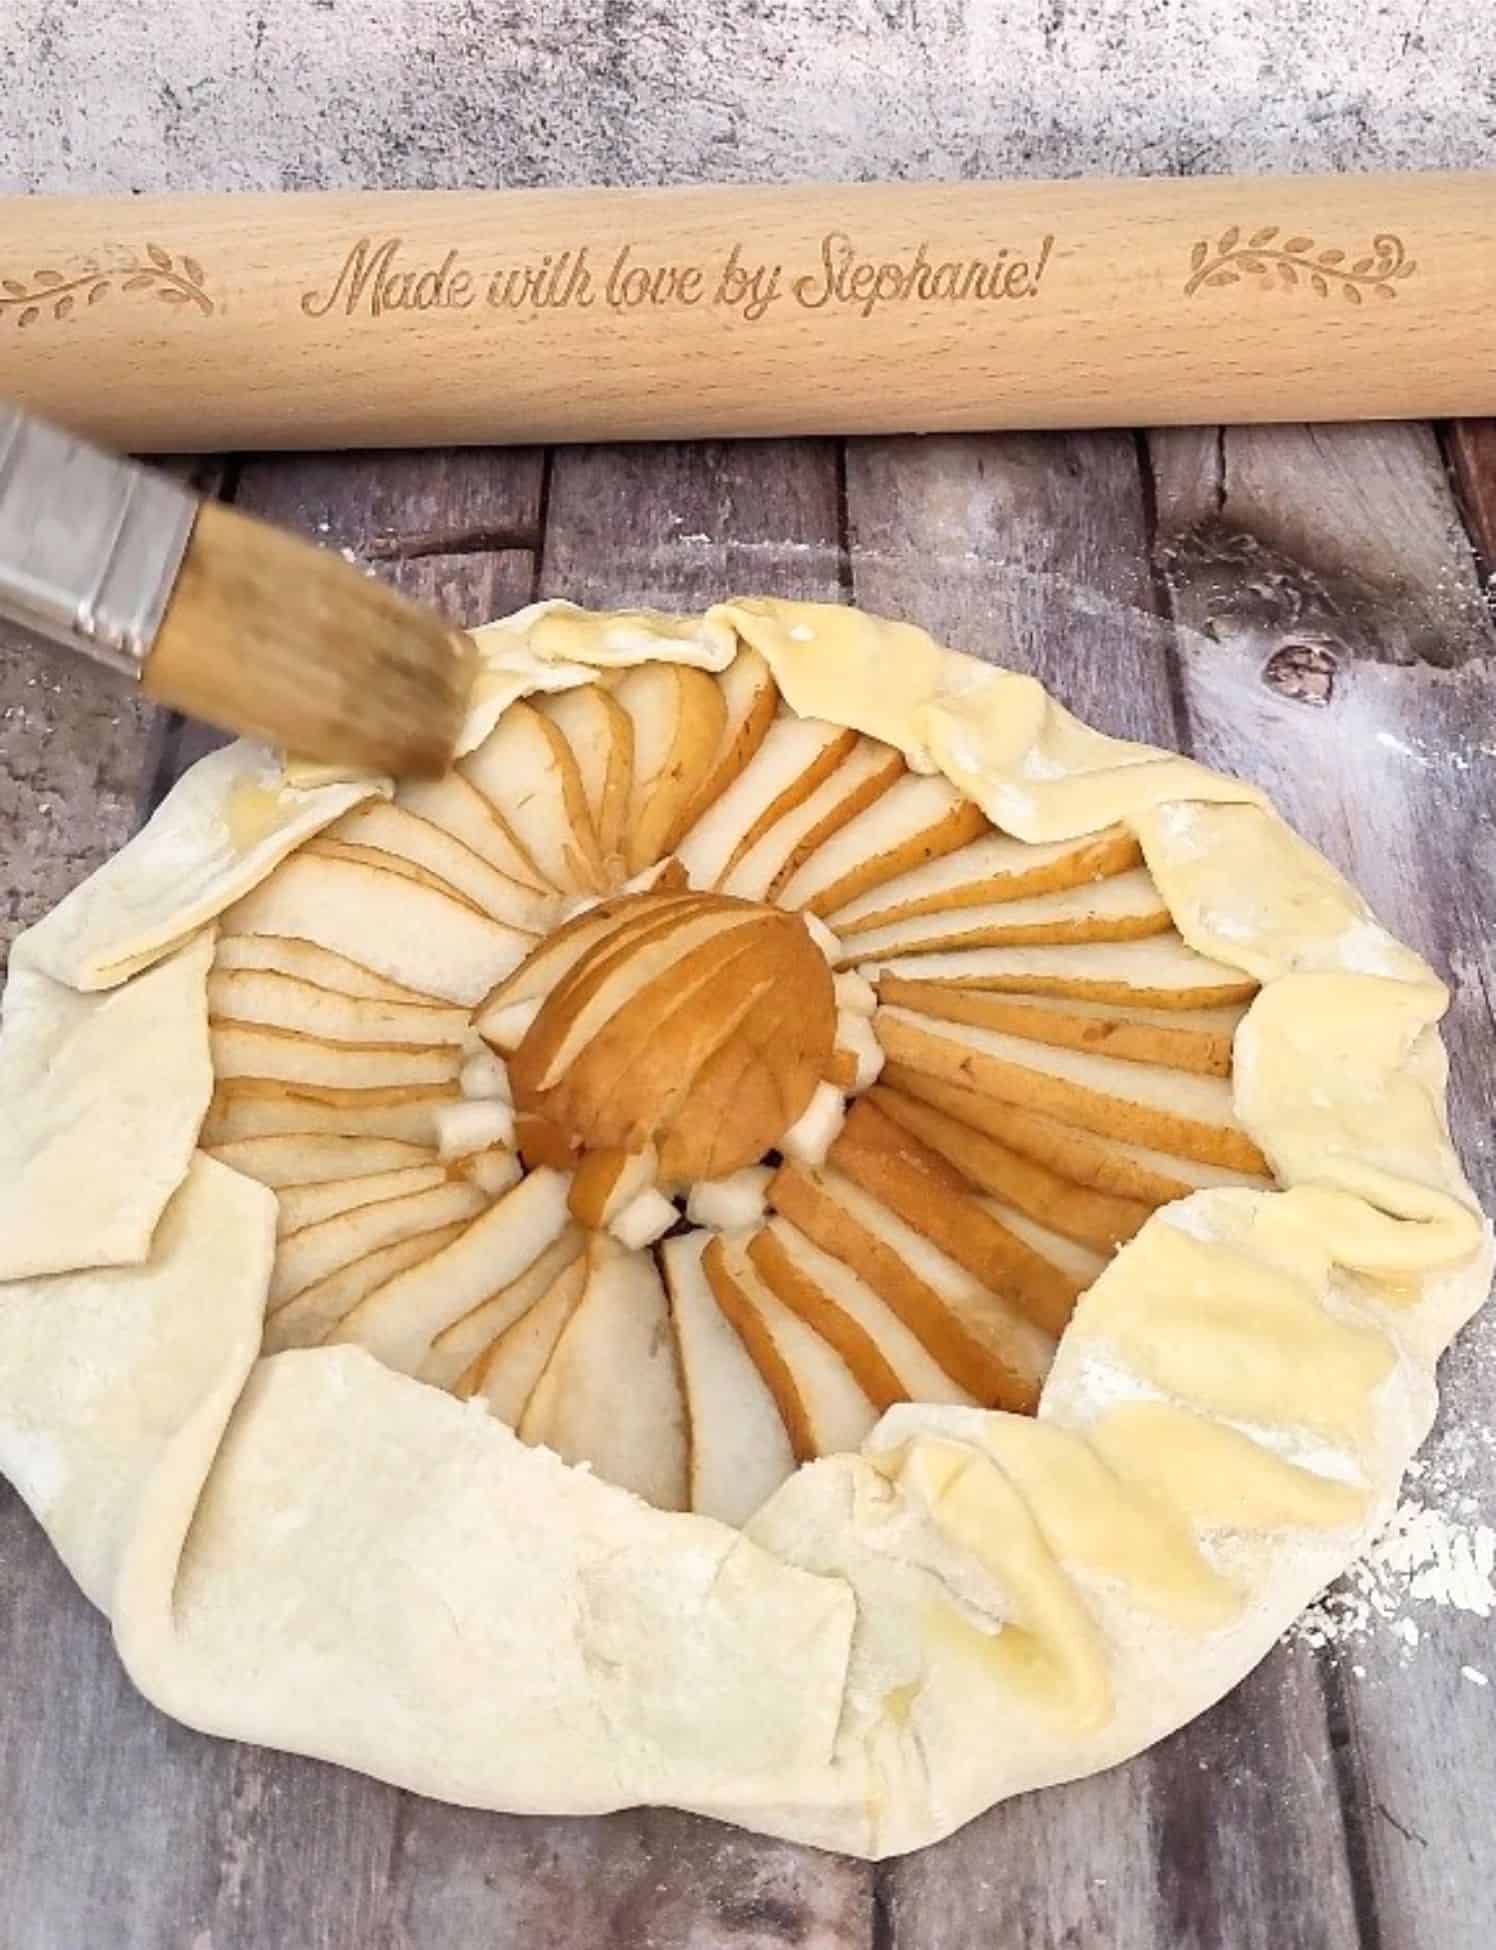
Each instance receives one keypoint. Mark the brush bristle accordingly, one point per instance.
(271, 637)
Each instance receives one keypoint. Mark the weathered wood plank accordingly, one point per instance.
(681, 526)
(394, 504)
(1393, 773)
(647, 1876)
(78, 750)
(1028, 549)
(118, 1827)
(1242, 511)
(1472, 452)
(1034, 550)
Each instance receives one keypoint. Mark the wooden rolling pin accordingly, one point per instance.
(214, 322)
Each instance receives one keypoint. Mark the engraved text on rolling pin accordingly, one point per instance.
(376, 279)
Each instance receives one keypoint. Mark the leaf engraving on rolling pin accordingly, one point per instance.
(152, 270)
(1268, 266)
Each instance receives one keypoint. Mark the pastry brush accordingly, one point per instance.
(220, 615)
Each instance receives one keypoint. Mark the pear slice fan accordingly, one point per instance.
(688, 1082)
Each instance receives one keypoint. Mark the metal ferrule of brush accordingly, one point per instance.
(90, 546)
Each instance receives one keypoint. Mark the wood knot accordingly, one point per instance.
(1304, 672)
(698, 1025)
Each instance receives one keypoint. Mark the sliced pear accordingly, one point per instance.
(827, 944)
(648, 1216)
(678, 716)
(255, 1050)
(750, 698)
(858, 1055)
(306, 1320)
(398, 927)
(1132, 1171)
(925, 1191)
(815, 1130)
(739, 1449)
(484, 1077)
(455, 1349)
(867, 772)
(855, 994)
(1100, 1220)
(421, 842)
(492, 1171)
(606, 1181)
(1180, 1039)
(507, 1027)
(526, 771)
(252, 1107)
(504, 1375)
(917, 819)
(666, 876)
(582, 1007)
(317, 1250)
(601, 735)
(992, 868)
(1159, 973)
(632, 1431)
(298, 1158)
(794, 757)
(474, 1124)
(306, 1205)
(975, 1337)
(461, 810)
(823, 1409)
(1171, 1110)
(1078, 1263)
(888, 1363)
(304, 961)
(325, 846)
(498, 1016)
(730, 1204)
(1128, 907)
(399, 1321)
(542, 1142)
(263, 995)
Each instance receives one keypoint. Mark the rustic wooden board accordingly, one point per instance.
(1472, 451)
(1393, 774)
(1034, 550)
(1310, 1808)
(681, 526)
(75, 744)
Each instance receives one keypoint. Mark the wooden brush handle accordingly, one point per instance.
(217, 322)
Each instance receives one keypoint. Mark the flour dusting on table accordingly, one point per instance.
(1436, 1555)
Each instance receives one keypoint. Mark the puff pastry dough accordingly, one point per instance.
(316, 1552)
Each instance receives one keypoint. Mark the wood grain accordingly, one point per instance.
(1472, 449)
(78, 747)
(1345, 536)
(1393, 776)
(679, 527)
(1033, 550)
(1029, 549)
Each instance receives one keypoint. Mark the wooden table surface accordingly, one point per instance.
(1307, 606)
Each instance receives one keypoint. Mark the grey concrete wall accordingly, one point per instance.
(176, 94)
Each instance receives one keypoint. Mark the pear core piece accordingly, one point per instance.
(700, 1027)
